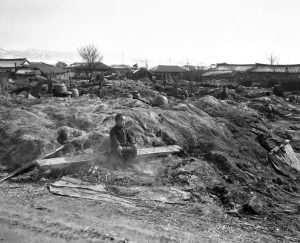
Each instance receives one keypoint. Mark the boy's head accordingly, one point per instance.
(120, 120)
(62, 135)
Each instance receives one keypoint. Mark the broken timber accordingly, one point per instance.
(141, 154)
(72, 187)
(30, 164)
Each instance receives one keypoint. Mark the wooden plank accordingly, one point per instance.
(28, 165)
(102, 157)
(61, 162)
(17, 171)
(157, 151)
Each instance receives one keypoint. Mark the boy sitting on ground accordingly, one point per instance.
(123, 145)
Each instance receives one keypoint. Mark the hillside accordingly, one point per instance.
(47, 56)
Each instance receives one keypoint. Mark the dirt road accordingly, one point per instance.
(30, 213)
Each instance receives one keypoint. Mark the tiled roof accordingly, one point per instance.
(226, 70)
(265, 68)
(46, 68)
(167, 69)
(225, 73)
(11, 63)
(120, 66)
(99, 66)
(195, 68)
(235, 67)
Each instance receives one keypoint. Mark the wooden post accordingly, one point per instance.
(2, 86)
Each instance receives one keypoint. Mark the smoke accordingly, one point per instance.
(148, 166)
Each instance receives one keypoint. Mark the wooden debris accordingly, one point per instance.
(19, 170)
(102, 157)
(75, 188)
(78, 189)
(30, 164)
(286, 154)
(157, 151)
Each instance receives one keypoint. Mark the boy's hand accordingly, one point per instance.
(134, 146)
(119, 149)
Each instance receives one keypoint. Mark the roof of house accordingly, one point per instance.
(234, 67)
(46, 68)
(266, 68)
(168, 69)
(120, 66)
(222, 73)
(142, 69)
(229, 70)
(11, 63)
(195, 68)
(99, 66)
(26, 71)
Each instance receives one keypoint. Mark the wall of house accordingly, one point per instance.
(165, 76)
(194, 75)
(290, 81)
(65, 76)
(3, 82)
(219, 81)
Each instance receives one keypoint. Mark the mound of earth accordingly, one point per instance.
(225, 158)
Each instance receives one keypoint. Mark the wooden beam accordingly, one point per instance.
(157, 151)
(29, 164)
(85, 158)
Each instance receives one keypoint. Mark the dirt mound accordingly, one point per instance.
(222, 135)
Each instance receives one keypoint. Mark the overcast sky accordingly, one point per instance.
(163, 31)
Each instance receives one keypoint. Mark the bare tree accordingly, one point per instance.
(91, 56)
(272, 59)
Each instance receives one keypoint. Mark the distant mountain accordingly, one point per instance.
(39, 55)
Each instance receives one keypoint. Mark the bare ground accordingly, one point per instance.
(29, 213)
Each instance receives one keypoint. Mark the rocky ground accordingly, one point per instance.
(236, 195)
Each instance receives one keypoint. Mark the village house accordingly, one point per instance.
(270, 75)
(49, 71)
(8, 67)
(258, 74)
(80, 69)
(231, 74)
(194, 73)
(142, 73)
(167, 72)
